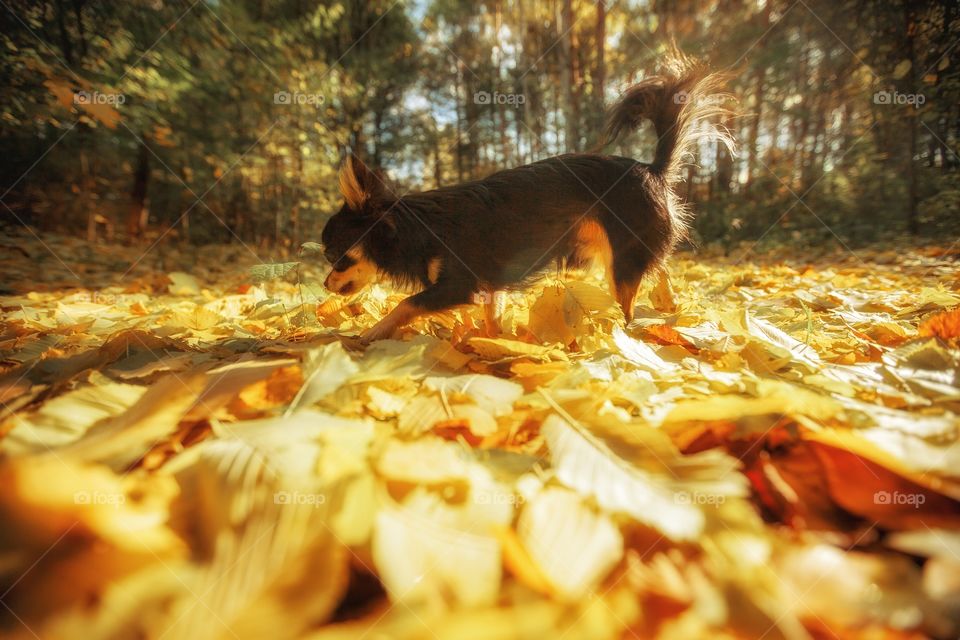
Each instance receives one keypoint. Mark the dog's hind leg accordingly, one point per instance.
(592, 245)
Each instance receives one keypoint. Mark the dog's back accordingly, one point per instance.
(507, 228)
(510, 226)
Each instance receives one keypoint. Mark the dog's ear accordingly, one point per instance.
(358, 184)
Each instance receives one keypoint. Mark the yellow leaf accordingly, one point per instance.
(496, 348)
(662, 297)
(554, 317)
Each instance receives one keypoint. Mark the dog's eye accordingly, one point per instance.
(343, 263)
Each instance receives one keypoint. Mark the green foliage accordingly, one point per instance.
(237, 114)
(311, 248)
(271, 271)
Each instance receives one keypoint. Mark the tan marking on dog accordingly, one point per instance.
(626, 293)
(360, 274)
(433, 270)
(592, 243)
(350, 186)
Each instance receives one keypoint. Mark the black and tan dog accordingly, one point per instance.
(503, 231)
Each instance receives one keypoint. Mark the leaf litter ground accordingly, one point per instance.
(768, 451)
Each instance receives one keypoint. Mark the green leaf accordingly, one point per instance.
(310, 248)
(271, 271)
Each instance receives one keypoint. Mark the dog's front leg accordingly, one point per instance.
(401, 315)
(445, 293)
(494, 304)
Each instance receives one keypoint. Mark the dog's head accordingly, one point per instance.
(352, 235)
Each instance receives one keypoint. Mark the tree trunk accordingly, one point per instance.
(437, 166)
(377, 137)
(185, 216)
(799, 143)
(78, 15)
(724, 162)
(296, 197)
(752, 150)
(457, 102)
(913, 197)
(758, 83)
(600, 77)
(568, 76)
(504, 142)
(65, 45)
(137, 214)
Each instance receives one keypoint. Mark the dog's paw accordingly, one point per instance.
(491, 329)
(379, 331)
(352, 343)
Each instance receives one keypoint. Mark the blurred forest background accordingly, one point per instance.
(224, 120)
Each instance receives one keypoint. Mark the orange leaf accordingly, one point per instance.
(276, 389)
(871, 483)
(86, 101)
(945, 326)
(519, 563)
(665, 334)
(138, 309)
(455, 429)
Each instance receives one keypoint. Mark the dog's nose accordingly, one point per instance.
(336, 283)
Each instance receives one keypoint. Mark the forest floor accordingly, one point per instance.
(196, 447)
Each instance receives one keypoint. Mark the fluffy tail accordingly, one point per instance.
(678, 102)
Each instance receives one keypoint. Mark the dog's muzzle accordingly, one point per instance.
(339, 283)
